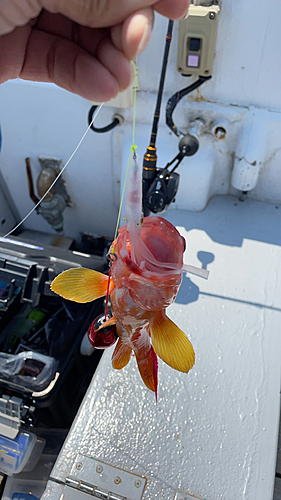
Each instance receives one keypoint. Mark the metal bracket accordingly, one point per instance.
(101, 480)
(90, 490)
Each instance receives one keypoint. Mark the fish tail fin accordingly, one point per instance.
(155, 371)
(170, 343)
(122, 354)
(146, 359)
(80, 284)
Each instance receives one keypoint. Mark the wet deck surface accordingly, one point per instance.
(212, 433)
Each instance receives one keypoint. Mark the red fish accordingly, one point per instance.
(140, 292)
(146, 273)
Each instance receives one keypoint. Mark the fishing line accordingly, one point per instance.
(132, 150)
(107, 296)
(58, 176)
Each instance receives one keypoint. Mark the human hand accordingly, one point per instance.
(84, 46)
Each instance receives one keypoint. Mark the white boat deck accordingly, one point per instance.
(213, 433)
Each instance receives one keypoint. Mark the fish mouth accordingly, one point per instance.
(157, 248)
(149, 267)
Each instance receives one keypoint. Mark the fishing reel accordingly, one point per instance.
(164, 187)
(162, 190)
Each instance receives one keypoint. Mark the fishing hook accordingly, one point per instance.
(111, 257)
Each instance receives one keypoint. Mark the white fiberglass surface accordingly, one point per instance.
(213, 432)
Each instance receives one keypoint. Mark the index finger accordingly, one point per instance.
(173, 9)
(97, 14)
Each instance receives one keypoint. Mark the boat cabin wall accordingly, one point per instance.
(239, 148)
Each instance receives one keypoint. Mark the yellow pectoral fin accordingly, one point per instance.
(80, 284)
(171, 344)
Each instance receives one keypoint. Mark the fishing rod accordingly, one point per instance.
(150, 157)
(160, 185)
